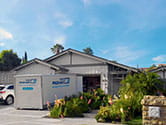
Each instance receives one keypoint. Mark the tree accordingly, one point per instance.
(88, 50)
(25, 58)
(8, 60)
(56, 49)
(147, 83)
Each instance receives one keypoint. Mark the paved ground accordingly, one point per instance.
(10, 116)
(2, 105)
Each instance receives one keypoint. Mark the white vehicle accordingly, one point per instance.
(7, 94)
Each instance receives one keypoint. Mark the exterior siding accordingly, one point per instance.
(35, 69)
(72, 59)
(6, 77)
(78, 59)
(162, 74)
(62, 60)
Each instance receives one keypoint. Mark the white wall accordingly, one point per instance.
(35, 69)
(62, 60)
(6, 77)
(73, 58)
(78, 59)
(162, 74)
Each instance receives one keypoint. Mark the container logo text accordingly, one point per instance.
(62, 82)
(28, 81)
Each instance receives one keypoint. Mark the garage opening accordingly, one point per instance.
(91, 82)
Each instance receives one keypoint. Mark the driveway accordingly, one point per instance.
(2, 106)
(10, 116)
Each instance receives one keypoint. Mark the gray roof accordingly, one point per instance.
(160, 68)
(93, 57)
(36, 60)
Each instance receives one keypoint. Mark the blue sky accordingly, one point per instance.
(132, 32)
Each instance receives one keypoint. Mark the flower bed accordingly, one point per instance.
(75, 106)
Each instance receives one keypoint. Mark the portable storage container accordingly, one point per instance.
(33, 91)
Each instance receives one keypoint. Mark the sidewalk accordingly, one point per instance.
(11, 116)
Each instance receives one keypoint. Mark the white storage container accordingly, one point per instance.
(33, 91)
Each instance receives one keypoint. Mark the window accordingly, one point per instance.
(11, 87)
(1, 88)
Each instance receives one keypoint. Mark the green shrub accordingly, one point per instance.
(96, 98)
(76, 105)
(104, 114)
(128, 106)
(72, 110)
(58, 109)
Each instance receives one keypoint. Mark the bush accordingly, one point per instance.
(104, 114)
(58, 109)
(75, 106)
(66, 109)
(72, 110)
(96, 98)
(128, 106)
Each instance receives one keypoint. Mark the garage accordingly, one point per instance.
(91, 82)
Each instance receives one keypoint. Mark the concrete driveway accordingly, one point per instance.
(10, 116)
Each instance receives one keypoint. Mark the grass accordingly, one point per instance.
(136, 121)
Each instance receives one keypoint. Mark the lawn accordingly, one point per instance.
(136, 121)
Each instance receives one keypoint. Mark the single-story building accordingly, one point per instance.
(96, 72)
(161, 71)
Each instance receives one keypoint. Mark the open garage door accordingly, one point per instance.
(91, 82)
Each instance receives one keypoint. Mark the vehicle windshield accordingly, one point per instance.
(1, 88)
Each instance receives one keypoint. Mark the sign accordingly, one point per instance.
(28, 81)
(62, 82)
(27, 88)
(27, 84)
(154, 112)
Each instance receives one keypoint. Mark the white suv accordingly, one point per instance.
(7, 94)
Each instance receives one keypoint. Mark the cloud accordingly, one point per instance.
(159, 59)
(2, 44)
(63, 20)
(60, 40)
(127, 54)
(104, 51)
(66, 23)
(5, 35)
(86, 2)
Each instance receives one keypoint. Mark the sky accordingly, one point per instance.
(131, 32)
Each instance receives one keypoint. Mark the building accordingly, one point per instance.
(96, 72)
(161, 71)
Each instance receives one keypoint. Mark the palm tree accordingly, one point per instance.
(88, 50)
(57, 48)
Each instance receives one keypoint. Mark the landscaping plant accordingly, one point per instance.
(128, 106)
(75, 106)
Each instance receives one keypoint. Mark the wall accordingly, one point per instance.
(149, 102)
(72, 59)
(62, 60)
(78, 59)
(6, 77)
(35, 69)
(162, 74)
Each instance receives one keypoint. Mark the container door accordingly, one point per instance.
(28, 92)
